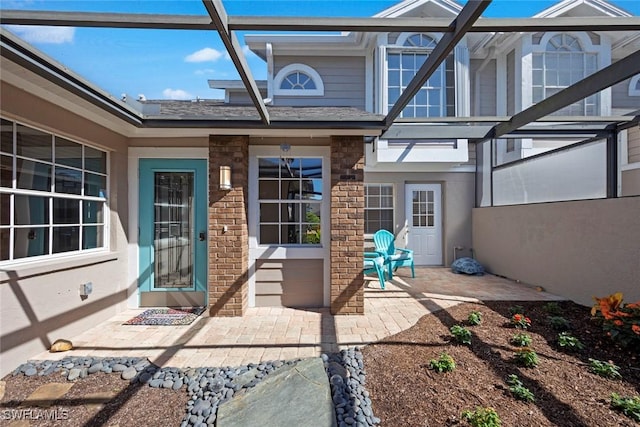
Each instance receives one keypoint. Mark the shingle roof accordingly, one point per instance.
(218, 110)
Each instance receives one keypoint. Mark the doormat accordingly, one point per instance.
(167, 316)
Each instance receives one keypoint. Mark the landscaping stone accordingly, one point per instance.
(301, 385)
(46, 394)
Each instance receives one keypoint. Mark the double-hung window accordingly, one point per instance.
(561, 62)
(53, 194)
(290, 199)
(378, 208)
(436, 98)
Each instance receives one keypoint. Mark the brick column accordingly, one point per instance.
(347, 225)
(228, 250)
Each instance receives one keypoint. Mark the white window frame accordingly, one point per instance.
(50, 195)
(603, 59)
(302, 68)
(460, 68)
(634, 85)
(392, 208)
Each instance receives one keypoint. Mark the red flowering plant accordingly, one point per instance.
(620, 321)
(520, 321)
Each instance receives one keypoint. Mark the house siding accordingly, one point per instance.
(39, 300)
(483, 97)
(289, 282)
(633, 144)
(343, 78)
(511, 83)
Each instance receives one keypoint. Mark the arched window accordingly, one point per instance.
(561, 62)
(634, 86)
(436, 98)
(298, 80)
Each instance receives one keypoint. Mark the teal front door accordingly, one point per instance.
(173, 232)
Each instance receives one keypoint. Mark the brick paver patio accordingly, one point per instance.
(285, 333)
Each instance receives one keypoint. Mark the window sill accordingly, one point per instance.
(28, 269)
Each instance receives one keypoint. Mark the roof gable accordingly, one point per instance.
(579, 8)
(422, 9)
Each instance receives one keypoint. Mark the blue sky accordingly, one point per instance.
(171, 64)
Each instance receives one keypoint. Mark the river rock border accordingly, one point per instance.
(208, 387)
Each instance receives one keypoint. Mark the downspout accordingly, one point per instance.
(269, 71)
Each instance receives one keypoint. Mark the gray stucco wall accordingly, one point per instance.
(483, 97)
(575, 249)
(40, 300)
(458, 201)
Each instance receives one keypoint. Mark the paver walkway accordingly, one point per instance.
(285, 333)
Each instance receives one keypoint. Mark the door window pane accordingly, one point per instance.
(5, 242)
(5, 209)
(173, 229)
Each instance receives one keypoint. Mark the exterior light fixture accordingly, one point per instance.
(225, 177)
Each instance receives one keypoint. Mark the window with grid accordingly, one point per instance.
(436, 98)
(290, 198)
(378, 208)
(298, 81)
(563, 63)
(52, 194)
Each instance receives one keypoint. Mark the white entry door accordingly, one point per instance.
(424, 223)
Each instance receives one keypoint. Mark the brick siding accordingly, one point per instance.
(228, 251)
(347, 225)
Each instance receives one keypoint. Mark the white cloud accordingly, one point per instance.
(245, 49)
(176, 94)
(204, 55)
(204, 71)
(38, 34)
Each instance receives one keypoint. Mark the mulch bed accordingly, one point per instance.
(405, 392)
(133, 404)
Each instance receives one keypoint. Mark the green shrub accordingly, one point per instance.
(604, 369)
(630, 406)
(521, 339)
(475, 318)
(569, 342)
(552, 308)
(526, 357)
(519, 390)
(482, 417)
(461, 334)
(444, 363)
(559, 323)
